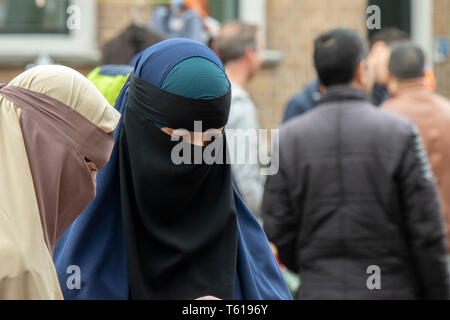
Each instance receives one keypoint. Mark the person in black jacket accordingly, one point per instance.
(302, 102)
(354, 207)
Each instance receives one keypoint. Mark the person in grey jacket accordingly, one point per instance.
(354, 207)
(240, 48)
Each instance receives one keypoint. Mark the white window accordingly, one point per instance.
(65, 30)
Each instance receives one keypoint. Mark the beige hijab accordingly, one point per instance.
(44, 179)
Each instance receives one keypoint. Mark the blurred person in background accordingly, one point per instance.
(303, 101)
(380, 51)
(185, 19)
(355, 192)
(429, 111)
(54, 127)
(378, 58)
(128, 43)
(240, 47)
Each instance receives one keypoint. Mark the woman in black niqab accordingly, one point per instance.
(179, 220)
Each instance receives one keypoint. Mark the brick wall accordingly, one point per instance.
(441, 21)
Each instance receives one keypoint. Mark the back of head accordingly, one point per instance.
(388, 36)
(337, 55)
(407, 61)
(235, 38)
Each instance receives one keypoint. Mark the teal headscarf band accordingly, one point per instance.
(208, 78)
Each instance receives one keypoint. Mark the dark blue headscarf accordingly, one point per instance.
(95, 241)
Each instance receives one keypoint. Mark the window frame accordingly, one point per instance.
(254, 11)
(22, 48)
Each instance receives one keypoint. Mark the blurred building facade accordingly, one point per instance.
(290, 27)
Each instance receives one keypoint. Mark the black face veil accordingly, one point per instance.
(179, 220)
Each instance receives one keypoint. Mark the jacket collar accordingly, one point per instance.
(412, 86)
(343, 93)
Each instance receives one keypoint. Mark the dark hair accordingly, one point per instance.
(337, 54)
(407, 61)
(234, 39)
(388, 36)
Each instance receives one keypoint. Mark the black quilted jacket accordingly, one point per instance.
(354, 208)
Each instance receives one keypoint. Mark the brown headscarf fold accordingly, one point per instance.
(58, 140)
(51, 119)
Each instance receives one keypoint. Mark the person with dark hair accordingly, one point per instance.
(129, 42)
(240, 48)
(337, 56)
(380, 50)
(429, 111)
(354, 207)
(407, 62)
(378, 56)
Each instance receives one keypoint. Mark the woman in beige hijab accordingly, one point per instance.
(54, 127)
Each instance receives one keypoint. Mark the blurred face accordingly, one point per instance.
(379, 62)
(364, 78)
(255, 56)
